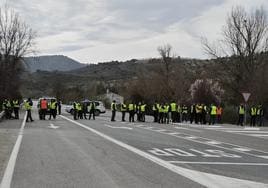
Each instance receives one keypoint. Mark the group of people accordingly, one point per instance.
(50, 107)
(171, 112)
(11, 106)
(195, 113)
(80, 110)
(256, 113)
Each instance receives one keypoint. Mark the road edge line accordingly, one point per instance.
(7, 178)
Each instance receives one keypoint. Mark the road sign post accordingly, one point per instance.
(246, 97)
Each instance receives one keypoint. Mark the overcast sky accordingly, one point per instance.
(92, 31)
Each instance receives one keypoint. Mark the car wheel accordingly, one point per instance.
(72, 111)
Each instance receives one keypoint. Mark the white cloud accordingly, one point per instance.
(103, 30)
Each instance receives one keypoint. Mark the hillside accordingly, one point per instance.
(51, 63)
(97, 75)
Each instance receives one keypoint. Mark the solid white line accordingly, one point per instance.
(224, 128)
(252, 128)
(106, 125)
(205, 179)
(259, 135)
(7, 178)
(249, 131)
(218, 163)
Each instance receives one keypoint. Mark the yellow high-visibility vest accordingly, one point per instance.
(213, 110)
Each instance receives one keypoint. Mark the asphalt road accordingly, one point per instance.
(100, 153)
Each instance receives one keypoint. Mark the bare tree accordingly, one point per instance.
(16, 40)
(165, 53)
(245, 36)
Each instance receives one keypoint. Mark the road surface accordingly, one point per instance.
(100, 153)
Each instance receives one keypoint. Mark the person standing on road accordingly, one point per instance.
(178, 114)
(173, 109)
(92, 108)
(43, 108)
(131, 110)
(166, 113)
(113, 108)
(85, 109)
(79, 110)
(4, 107)
(123, 110)
(7, 107)
(213, 113)
(59, 106)
(253, 115)
(260, 115)
(16, 107)
(241, 114)
(192, 113)
(198, 116)
(28, 106)
(184, 113)
(75, 110)
(219, 114)
(53, 109)
(143, 111)
(156, 111)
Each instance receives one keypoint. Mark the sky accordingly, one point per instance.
(92, 31)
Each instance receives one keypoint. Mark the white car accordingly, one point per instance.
(100, 109)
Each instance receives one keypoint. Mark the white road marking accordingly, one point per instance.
(242, 149)
(252, 128)
(213, 142)
(259, 135)
(248, 131)
(264, 156)
(188, 129)
(218, 163)
(52, 126)
(191, 137)
(148, 128)
(218, 146)
(214, 126)
(175, 133)
(140, 126)
(160, 130)
(223, 128)
(113, 127)
(7, 178)
(205, 179)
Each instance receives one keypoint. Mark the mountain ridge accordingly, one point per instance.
(51, 63)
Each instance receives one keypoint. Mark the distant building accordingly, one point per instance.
(113, 96)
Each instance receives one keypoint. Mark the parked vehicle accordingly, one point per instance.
(100, 109)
